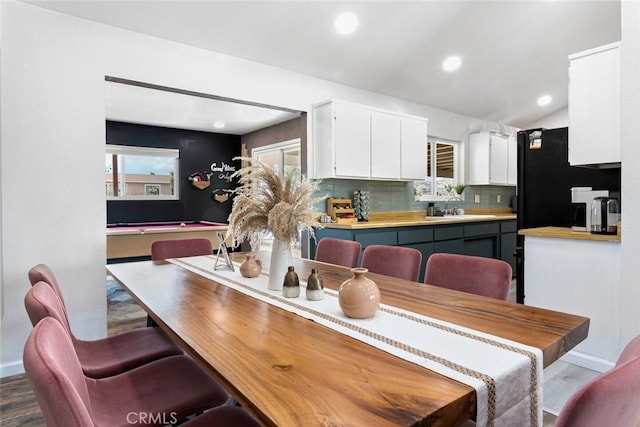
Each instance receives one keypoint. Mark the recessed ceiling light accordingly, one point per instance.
(544, 100)
(452, 63)
(346, 23)
(218, 124)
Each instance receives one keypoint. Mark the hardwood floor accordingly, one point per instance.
(19, 408)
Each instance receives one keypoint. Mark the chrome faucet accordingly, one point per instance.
(454, 210)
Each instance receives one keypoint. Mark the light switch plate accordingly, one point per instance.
(498, 198)
(476, 198)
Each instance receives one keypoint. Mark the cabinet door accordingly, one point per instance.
(385, 145)
(498, 160)
(512, 164)
(449, 246)
(594, 107)
(352, 141)
(413, 149)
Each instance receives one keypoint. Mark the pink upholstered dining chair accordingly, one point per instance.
(339, 251)
(395, 261)
(473, 274)
(172, 388)
(611, 399)
(107, 356)
(163, 249)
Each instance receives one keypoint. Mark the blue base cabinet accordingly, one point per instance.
(492, 239)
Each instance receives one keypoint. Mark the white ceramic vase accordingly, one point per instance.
(281, 259)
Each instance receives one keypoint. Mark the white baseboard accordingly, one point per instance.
(13, 368)
(588, 361)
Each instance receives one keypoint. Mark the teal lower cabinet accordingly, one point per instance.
(482, 239)
(492, 239)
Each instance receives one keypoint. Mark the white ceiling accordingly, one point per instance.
(512, 51)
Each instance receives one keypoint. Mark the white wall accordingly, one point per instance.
(557, 119)
(629, 131)
(52, 207)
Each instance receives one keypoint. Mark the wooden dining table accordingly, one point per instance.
(291, 371)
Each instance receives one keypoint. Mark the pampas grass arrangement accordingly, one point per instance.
(267, 201)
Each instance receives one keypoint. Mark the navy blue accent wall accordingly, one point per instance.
(198, 150)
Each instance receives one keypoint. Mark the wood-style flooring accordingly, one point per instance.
(19, 408)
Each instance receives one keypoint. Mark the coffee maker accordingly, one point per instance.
(604, 215)
(582, 199)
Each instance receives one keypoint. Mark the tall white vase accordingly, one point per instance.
(281, 259)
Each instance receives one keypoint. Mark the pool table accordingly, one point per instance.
(126, 240)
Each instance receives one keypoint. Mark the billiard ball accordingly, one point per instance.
(182, 224)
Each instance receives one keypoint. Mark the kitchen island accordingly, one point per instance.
(578, 273)
(490, 234)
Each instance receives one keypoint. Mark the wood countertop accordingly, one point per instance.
(418, 218)
(567, 233)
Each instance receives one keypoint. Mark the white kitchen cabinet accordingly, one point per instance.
(492, 159)
(580, 277)
(352, 128)
(413, 149)
(354, 141)
(385, 145)
(594, 107)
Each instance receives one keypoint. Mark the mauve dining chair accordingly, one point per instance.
(163, 249)
(101, 357)
(611, 399)
(473, 274)
(394, 261)
(339, 251)
(167, 390)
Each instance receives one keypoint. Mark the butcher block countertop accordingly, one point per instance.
(417, 218)
(567, 233)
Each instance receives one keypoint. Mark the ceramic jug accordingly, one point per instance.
(359, 296)
(315, 286)
(291, 284)
(251, 267)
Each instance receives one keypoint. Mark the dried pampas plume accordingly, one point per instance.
(267, 201)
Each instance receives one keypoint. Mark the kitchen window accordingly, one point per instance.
(444, 170)
(141, 173)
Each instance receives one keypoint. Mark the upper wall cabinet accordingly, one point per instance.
(594, 107)
(353, 141)
(492, 159)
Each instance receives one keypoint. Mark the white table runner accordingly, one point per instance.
(507, 375)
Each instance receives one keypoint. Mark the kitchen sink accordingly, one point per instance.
(469, 216)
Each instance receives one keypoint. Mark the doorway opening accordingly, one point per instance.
(285, 158)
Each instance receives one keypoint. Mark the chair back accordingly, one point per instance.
(55, 374)
(41, 302)
(394, 261)
(631, 351)
(339, 251)
(611, 399)
(43, 273)
(473, 274)
(163, 249)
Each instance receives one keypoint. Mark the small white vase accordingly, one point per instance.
(281, 259)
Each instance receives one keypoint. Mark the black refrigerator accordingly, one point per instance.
(544, 186)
